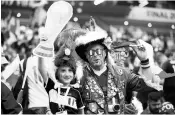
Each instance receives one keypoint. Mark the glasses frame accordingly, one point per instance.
(97, 51)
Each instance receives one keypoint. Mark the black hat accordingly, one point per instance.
(83, 42)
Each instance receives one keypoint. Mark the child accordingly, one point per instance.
(63, 99)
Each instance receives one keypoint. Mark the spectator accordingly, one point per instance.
(8, 102)
(155, 100)
(103, 83)
(69, 97)
(160, 58)
(169, 83)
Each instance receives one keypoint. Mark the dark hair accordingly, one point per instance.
(62, 62)
(155, 96)
(65, 63)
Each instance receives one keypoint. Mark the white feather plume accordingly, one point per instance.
(89, 37)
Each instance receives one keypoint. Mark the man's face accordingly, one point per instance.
(96, 55)
(154, 106)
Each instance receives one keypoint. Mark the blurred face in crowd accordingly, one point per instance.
(154, 106)
(11, 53)
(96, 56)
(162, 60)
(65, 75)
(120, 55)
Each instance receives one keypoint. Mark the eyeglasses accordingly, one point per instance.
(97, 51)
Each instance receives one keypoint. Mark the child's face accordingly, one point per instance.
(65, 74)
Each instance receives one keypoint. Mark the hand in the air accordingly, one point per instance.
(140, 50)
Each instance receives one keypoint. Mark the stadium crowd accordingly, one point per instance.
(147, 71)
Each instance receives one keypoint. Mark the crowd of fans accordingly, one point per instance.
(26, 39)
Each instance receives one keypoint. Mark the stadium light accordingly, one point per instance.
(143, 3)
(75, 19)
(81, 3)
(97, 2)
(149, 25)
(126, 23)
(18, 15)
(79, 10)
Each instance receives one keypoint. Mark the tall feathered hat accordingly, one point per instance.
(65, 51)
(91, 37)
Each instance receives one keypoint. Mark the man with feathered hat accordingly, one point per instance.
(103, 83)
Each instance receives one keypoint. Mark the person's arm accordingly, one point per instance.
(146, 70)
(137, 83)
(142, 53)
(42, 68)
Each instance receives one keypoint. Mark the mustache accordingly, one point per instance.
(96, 59)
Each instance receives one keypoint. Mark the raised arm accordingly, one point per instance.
(142, 53)
(42, 68)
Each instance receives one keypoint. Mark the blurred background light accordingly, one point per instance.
(18, 15)
(149, 25)
(126, 23)
(79, 10)
(72, 3)
(143, 3)
(81, 3)
(97, 2)
(75, 19)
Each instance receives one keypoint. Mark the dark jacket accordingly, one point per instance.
(8, 102)
(25, 96)
(119, 80)
(169, 84)
(18, 87)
